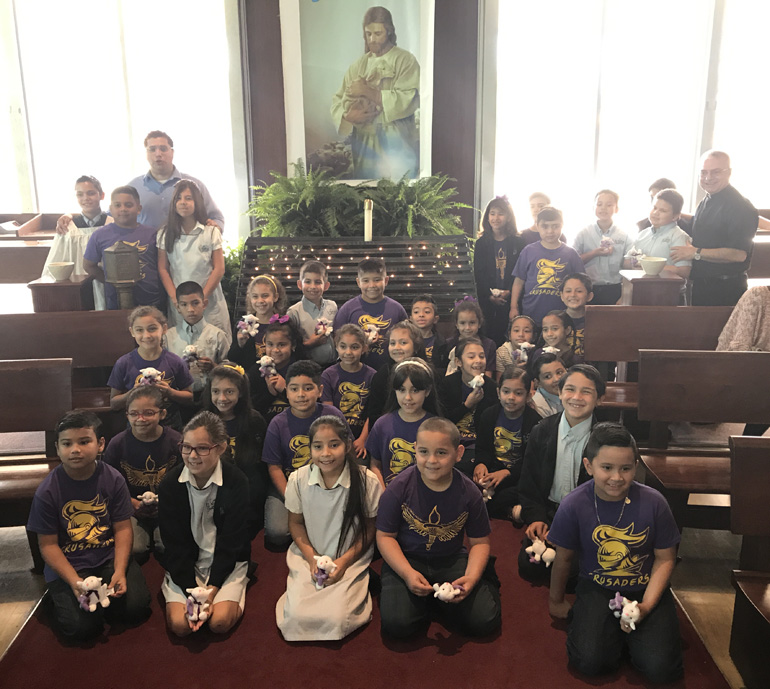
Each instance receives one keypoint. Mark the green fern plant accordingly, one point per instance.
(316, 204)
(414, 209)
(308, 204)
(233, 254)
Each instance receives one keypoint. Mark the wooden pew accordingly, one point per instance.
(760, 258)
(750, 517)
(697, 386)
(94, 340)
(617, 333)
(37, 394)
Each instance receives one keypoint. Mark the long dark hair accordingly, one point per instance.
(501, 203)
(292, 332)
(355, 514)
(174, 223)
(250, 426)
(422, 377)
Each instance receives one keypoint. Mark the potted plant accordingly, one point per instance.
(315, 204)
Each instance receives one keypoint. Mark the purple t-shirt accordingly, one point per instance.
(148, 289)
(508, 440)
(81, 514)
(543, 271)
(287, 443)
(127, 370)
(384, 314)
(391, 441)
(615, 557)
(143, 464)
(429, 523)
(349, 393)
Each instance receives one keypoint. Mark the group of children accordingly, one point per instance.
(362, 428)
(186, 249)
(527, 273)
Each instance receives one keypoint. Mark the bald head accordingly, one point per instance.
(714, 171)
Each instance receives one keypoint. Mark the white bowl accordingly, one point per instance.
(652, 265)
(61, 270)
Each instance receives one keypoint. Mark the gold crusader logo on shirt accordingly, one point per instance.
(352, 402)
(576, 341)
(467, 426)
(84, 526)
(433, 528)
(300, 446)
(548, 276)
(618, 567)
(506, 444)
(401, 456)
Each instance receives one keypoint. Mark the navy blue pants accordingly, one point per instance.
(71, 621)
(403, 614)
(595, 640)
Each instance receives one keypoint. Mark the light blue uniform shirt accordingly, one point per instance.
(659, 243)
(569, 456)
(603, 270)
(155, 198)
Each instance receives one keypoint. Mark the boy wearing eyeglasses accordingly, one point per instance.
(144, 453)
(81, 514)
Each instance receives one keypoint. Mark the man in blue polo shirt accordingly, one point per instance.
(156, 186)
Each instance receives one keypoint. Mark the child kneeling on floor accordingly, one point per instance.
(625, 538)
(332, 504)
(203, 511)
(422, 520)
(82, 514)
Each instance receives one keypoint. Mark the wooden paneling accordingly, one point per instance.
(263, 88)
(705, 387)
(455, 58)
(617, 333)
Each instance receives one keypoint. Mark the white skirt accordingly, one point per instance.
(234, 588)
(304, 613)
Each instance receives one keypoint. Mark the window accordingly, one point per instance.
(613, 94)
(110, 73)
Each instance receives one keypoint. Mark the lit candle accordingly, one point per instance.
(368, 205)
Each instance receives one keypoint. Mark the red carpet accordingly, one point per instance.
(529, 653)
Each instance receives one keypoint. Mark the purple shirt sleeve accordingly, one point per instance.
(182, 377)
(117, 377)
(93, 250)
(271, 451)
(329, 380)
(565, 529)
(389, 510)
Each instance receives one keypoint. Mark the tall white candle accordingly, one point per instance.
(368, 206)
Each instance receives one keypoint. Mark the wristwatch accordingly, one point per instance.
(697, 256)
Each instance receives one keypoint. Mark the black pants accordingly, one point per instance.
(71, 621)
(717, 291)
(755, 429)
(496, 322)
(606, 295)
(595, 640)
(403, 614)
